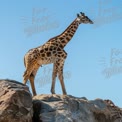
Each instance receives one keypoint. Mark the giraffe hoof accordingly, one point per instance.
(52, 91)
(34, 94)
(64, 93)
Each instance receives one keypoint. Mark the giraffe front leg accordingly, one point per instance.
(60, 76)
(54, 75)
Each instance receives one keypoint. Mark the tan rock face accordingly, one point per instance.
(15, 102)
(58, 108)
(16, 106)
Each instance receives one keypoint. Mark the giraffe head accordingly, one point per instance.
(81, 18)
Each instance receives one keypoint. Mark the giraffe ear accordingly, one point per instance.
(82, 14)
(78, 15)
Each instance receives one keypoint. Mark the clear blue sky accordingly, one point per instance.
(93, 67)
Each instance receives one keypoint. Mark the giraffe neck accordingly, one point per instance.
(67, 35)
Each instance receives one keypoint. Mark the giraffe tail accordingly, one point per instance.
(24, 62)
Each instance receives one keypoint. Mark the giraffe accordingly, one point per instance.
(52, 52)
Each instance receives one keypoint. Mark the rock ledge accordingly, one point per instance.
(59, 108)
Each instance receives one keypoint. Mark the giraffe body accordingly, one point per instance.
(51, 52)
(43, 55)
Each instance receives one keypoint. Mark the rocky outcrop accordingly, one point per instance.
(16, 105)
(58, 108)
(15, 102)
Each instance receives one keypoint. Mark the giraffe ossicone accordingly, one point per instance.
(52, 52)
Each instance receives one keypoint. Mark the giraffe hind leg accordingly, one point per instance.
(26, 76)
(31, 78)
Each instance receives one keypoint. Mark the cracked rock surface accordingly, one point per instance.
(16, 105)
(59, 108)
(15, 102)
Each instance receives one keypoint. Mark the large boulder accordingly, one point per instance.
(15, 102)
(59, 108)
(16, 105)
